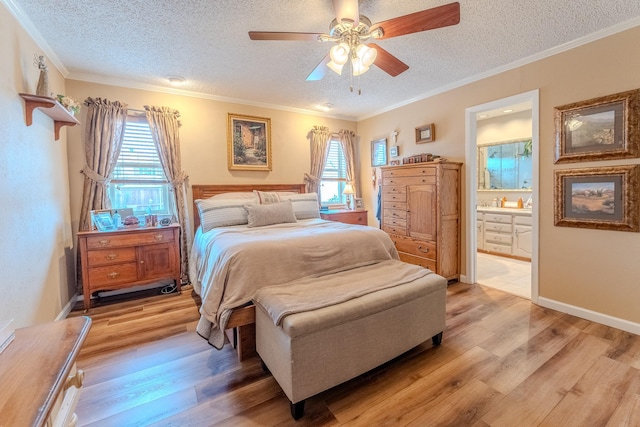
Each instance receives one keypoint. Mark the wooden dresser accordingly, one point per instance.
(346, 216)
(124, 258)
(40, 382)
(421, 213)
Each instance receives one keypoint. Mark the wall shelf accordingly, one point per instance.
(52, 108)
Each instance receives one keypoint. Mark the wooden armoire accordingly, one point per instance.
(421, 212)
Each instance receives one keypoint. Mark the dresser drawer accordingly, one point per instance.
(113, 274)
(495, 247)
(140, 237)
(423, 262)
(394, 189)
(408, 180)
(501, 218)
(505, 239)
(395, 205)
(411, 246)
(394, 222)
(395, 213)
(389, 229)
(499, 228)
(413, 172)
(111, 256)
(394, 197)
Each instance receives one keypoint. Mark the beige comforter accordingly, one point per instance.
(229, 264)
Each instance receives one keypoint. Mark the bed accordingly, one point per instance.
(231, 260)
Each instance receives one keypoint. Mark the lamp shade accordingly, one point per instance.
(340, 53)
(366, 54)
(337, 68)
(348, 189)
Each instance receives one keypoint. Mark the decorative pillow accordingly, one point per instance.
(272, 213)
(236, 195)
(267, 197)
(305, 205)
(222, 212)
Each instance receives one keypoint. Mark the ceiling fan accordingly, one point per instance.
(351, 33)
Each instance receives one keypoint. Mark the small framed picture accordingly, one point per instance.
(379, 152)
(103, 221)
(359, 204)
(393, 151)
(426, 133)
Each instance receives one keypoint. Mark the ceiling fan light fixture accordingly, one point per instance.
(337, 68)
(358, 67)
(366, 55)
(340, 53)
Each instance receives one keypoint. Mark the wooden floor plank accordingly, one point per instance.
(503, 362)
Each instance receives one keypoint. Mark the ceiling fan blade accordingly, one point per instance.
(347, 9)
(437, 17)
(275, 35)
(321, 69)
(387, 62)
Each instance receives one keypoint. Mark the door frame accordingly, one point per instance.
(471, 114)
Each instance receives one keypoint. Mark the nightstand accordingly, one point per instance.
(128, 257)
(346, 216)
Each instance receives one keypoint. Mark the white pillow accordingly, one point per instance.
(222, 212)
(269, 214)
(305, 205)
(242, 195)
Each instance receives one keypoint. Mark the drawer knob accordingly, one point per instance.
(104, 242)
(113, 275)
(159, 236)
(424, 250)
(75, 380)
(111, 256)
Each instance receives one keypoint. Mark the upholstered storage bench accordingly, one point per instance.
(313, 349)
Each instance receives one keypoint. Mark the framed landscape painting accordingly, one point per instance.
(248, 143)
(602, 198)
(598, 129)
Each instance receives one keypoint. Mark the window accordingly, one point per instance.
(138, 181)
(334, 176)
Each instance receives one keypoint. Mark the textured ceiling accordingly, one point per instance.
(139, 43)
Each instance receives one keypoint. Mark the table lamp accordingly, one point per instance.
(348, 190)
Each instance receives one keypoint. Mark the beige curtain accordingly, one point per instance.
(348, 142)
(319, 138)
(164, 125)
(104, 131)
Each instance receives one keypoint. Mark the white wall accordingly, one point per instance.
(36, 263)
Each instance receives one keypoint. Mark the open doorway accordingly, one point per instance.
(501, 231)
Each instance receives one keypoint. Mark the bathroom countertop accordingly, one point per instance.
(521, 211)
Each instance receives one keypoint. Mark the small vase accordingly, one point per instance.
(43, 84)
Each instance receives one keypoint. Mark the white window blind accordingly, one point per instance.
(138, 161)
(334, 175)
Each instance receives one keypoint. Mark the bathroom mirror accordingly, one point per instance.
(505, 165)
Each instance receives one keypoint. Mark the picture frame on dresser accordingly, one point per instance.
(603, 198)
(358, 204)
(601, 128)
(103, 221)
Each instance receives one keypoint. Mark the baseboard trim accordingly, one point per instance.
(594, 316)
(68, 307)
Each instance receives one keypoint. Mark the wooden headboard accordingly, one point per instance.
(206, 191)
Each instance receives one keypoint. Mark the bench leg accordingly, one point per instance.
(437, 339)
(297, 410)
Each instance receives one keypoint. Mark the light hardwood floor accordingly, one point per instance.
(503, 362)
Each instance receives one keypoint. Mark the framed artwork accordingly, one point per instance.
(103, 221)
(603, 198)
(359, 204)
(379, 152)
(248, 143)
(426, 133)
(598, 129)
(394, 151)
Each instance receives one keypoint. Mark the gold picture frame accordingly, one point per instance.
(248, 143)
(601, 128)
(603, 198)
(426, 133)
